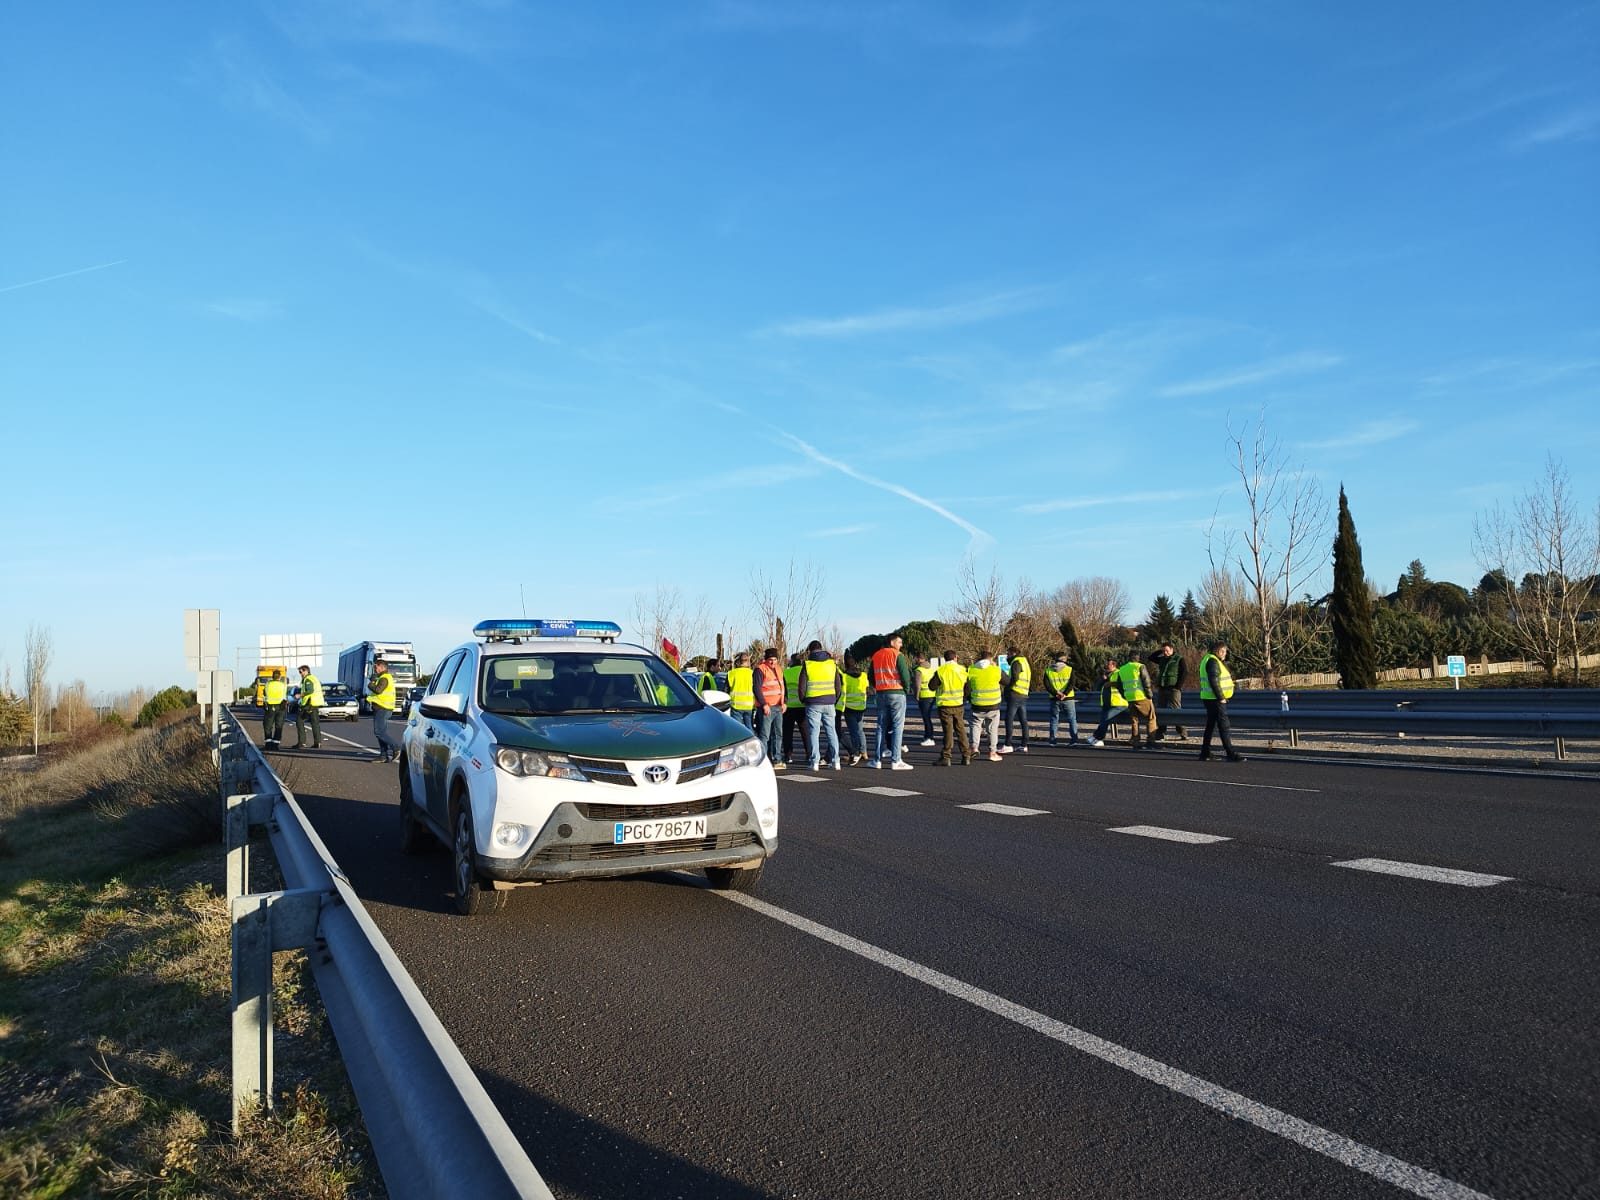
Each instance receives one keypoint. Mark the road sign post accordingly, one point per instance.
(1456, 668)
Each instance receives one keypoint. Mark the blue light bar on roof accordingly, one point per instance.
(517, 629)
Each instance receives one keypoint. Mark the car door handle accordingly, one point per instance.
(428, 732)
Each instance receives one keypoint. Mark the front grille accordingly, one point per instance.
(604, 770)
(601, 851)
(650, 812)
(699, 766)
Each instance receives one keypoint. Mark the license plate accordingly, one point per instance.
(675, 829)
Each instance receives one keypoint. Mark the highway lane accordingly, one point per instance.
(651, 1036)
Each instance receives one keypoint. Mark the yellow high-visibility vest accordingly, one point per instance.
(791, 686)
(952, 688)
(820, 680)
(985, 685)
(1224, 679)
(311, 692)
(855, 692)
(1061, 680)
(742, 687)
(277, 691)
(381, 693)
(1130, 681)
(1021, 676)
(925, 683)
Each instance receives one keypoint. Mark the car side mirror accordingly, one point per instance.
(443, 706)
(717, 700)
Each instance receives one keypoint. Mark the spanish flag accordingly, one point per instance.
(671, 651)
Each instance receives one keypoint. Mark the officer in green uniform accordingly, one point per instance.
(310, 705)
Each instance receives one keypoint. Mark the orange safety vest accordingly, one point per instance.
(769, 685)
(886, 670)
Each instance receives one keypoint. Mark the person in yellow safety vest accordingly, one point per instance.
(819, 691)
(854, 700)
(925, 697)
(380, 695)
(1216, 689)
(1019, 675)
(769, 706)
(1063, 698)
(274, 694)
(1133, 681)
(794, 709)
(310, 705)
(950, 693)
(1112, 705)
(708, 678)
(984, 690)
(742, 692)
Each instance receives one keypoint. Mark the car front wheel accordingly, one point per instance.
(473, 895)
(733, 879)
(411, 833)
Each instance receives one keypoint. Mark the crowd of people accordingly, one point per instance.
(823, 699)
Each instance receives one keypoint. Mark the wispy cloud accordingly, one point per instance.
(977, 537)
(14, 287)
(469, 27)
(841, 531)
(1051, 506)
(1273, 368)
(900, 320)
(246, 310)
(1575, 125)
(472, 288)
(1372, 433)
(753, 478)
(245, 83)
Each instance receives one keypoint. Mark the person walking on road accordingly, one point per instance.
(274, 695)
(1063, 698)
(950, 686)
(1019, 677)
(892, 680)
(1170, 674)
(794, 709)
(769, 707)
(310, 706)
(984, 690)
(925, 697)
(742, 692)
(381, 696)
(1112, 705)
(854, 699)
(1216, 689)
(819, 691)
(1133, 681)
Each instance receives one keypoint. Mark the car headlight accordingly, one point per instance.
(511, 837)
(745, 754)
(532, 762)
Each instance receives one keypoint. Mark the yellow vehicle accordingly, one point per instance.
(263, 673)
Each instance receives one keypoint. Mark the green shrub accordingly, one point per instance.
(172, 699)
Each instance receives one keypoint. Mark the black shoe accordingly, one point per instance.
(298, 746)
(1237, 758)
(945, 762)
(1204, 756)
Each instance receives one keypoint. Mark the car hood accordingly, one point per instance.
(620, 735)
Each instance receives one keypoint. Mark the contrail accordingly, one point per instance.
(64, 275)
(979, 537)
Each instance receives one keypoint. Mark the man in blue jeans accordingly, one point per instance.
(819, 691)
(892, 679)
(1063, 698)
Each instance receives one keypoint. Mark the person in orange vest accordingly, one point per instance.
(769, 707)
(892, 680)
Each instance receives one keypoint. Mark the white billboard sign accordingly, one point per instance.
(202, 638)
(291, 649)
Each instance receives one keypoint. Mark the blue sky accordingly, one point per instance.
(371, 317)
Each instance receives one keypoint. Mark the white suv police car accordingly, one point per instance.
(546, 751)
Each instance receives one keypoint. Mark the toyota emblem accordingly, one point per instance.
(656, 773)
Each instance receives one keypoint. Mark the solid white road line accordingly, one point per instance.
(1006, 810)
(1401, 1174)
(348, 742)
(888, 791)
(1271, 787)
(1170, 835)
(1417, 871)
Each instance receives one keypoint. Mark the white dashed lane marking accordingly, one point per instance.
(1271, 787)
(1006, 810)
(888, 791)
(1170, 835)
(1385, 866)
(785, 777)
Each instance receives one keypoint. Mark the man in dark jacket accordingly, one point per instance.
(1170, 670)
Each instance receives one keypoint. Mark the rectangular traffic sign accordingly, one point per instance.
(1456, 666)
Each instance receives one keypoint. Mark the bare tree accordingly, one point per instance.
(1554, 549)
(980, 608)
(664, 613)
(1224, 600)
(37, 650)
(1284, 541)
(1094, 605)
(72, 705)
(787, 609)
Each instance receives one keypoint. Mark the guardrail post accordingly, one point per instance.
(244, 810)
(262, 923)
(1561, 748)
(1294, 739)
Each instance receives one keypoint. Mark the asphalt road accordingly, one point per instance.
(924, 999)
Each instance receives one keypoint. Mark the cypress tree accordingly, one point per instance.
(1162, 621)
(1355, 654)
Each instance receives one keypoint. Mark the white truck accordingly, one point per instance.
(355, 670)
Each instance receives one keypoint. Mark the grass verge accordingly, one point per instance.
(115, 1052)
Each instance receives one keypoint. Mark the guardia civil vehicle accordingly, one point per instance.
(545, 750)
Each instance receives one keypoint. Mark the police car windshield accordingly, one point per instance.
(581, 682)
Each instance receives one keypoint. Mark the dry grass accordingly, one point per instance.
(114, 996)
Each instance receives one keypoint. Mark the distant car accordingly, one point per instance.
(340, 702)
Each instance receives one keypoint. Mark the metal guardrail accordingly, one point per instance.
(1554, 715)
(432, 1126)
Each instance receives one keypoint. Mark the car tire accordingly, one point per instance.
(473, 896)
(412, 834)
(733, 879)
